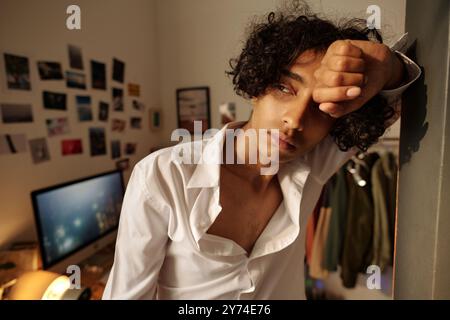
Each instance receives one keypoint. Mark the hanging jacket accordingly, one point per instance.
(316, 270)
(357, 244)
(384, 184)
(310, 230)
(338, 221)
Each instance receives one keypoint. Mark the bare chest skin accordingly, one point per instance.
(245, 211)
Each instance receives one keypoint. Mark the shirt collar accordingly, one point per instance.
(292, 177)
(207, 171)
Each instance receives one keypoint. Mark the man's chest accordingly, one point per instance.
(245, 213)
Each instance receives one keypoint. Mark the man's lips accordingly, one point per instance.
(286, 142)
(286, 145)
(287, 139)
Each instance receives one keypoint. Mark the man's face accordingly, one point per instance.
(290, 108)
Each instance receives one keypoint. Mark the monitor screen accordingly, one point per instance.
(72, 215)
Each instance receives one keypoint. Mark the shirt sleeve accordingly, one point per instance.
(326, 158)
(393, 96)
(140, 245)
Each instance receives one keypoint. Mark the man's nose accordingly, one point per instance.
(294, 116)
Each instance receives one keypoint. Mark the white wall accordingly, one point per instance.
(36, 29)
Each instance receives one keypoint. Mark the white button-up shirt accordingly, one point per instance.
(163, 250)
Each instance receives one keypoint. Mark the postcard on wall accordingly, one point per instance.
(155, 119)
(50, 70)
(117, 95)
(103, 109)
(75, 80)
(17, 70)
(118, 70)
(115, 149)
(54, 100)
(137, 105)
(75, 57)
(227, 112)
(98, 141)
(39, 150)
(84, 108)
(193, 104)
(57, 126)
(118, 125)
(71, 146)
(134, 90)
(130, 148)
(13, 143)
(98, 75)
(123, 164)
(135, 122)
(16, 113)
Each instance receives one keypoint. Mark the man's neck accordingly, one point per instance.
(248, 172)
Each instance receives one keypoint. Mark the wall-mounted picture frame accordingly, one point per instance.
(155, 117)
(193, 104)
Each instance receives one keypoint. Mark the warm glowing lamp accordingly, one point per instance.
(44, 285)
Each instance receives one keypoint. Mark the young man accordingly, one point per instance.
(225, 231)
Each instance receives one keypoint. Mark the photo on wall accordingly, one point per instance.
(50, 70)
(84, 108)
(17, 70)
(39, 150)
(75, 57)
(75, 80)
(135, 122)
(13, 143)
(134, 90)
(115, 149)
(137, 105)
(118, 125)
(118, 70)
(71, 146)
(117, 96)
(98, 75)
(227, 112)
(16, 113)
(98, 141)
(103, 110)
(193, 105)
(130, 148)
(155, 119)
(54, 100)
(57, 126)
(123, 164)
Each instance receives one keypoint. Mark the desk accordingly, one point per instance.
(95, 268)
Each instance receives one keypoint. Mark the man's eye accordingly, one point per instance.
(283, 89)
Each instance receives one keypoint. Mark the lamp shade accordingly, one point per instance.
(39, 285)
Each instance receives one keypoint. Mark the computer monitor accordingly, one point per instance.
(77, 218)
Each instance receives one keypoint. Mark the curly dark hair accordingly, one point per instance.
(274, 43)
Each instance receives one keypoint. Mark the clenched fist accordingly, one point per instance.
(352, 72)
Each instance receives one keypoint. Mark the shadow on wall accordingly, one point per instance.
(413, 125)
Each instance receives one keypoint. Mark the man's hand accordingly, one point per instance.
(352, 72)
